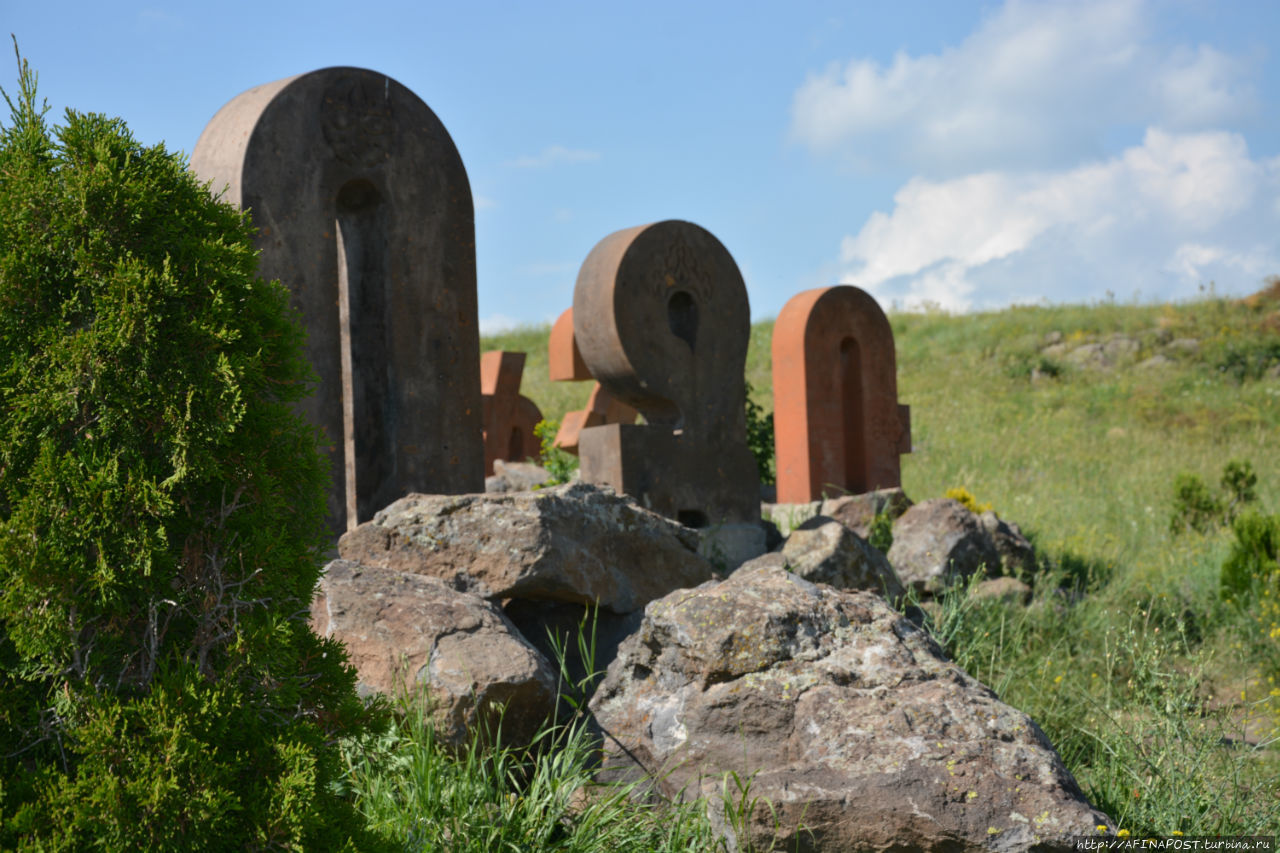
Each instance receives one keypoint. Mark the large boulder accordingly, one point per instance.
(1016, 553)
(939, 541)
(405, 632)
(852, 729)
(574, 543)
(822, 550)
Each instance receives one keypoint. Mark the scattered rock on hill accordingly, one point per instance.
(1093, 356)
(1014, 550)
(939, 541)
(1120, 348)
(822, 550)
(839, 712)
(854, 511)
(573, 543)
(404, 631)
(1008, 590)
(1156, 362)
(514, 477)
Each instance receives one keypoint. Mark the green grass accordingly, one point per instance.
(1154, 689)
(499, 799)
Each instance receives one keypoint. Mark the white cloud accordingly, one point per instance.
(1037, 85)
(554, 155)
(483, 202)
(1162, 217)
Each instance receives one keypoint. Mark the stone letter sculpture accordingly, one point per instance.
(565, 364)
(509, 416)
(838, 426)
(365, 214)
(660, 313)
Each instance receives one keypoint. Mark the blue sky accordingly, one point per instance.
(968, 155)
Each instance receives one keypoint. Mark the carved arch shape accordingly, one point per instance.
(365, 213)
(838, 426)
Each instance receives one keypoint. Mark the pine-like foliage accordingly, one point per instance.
(161, 515)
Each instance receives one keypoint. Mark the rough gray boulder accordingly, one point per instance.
(822, 550)
(514, 477)
(1016, 553)
(573, 543)
(854, 511)
(939, 541)
(403, 632)
(1007, 590)
(844, 717)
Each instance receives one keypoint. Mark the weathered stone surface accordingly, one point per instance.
(937, 542)
(661, 316)
(1156, 362)
(1120, 348)
(822, 550)
(727, 546)
(853, 511)
(514, 477)
(856, 512)
(1091, 355)
(1016, 553)
(1007, 589)
(404, 631)
(843, 715)
(787, 517)
(575, 543)
(838, 424)
(508, 416)
(364, 212)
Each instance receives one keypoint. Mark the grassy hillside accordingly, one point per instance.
(1160, 695)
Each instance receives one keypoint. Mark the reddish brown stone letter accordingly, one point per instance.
(565, 365)
(660, 313)
(509, 417)
(837, 422)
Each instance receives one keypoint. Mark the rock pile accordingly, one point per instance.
(793, 670)
(431, 591)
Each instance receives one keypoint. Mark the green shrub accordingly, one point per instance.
(1238, 481)
(760, 438)
(559, 464)
(1252, 562)
(1027, 365)
(880, 535)
(161, 515)
(1196, 507)
(1248, 358)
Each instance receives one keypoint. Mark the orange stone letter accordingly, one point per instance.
(837, 422)
(509, 417)
(565, 364)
